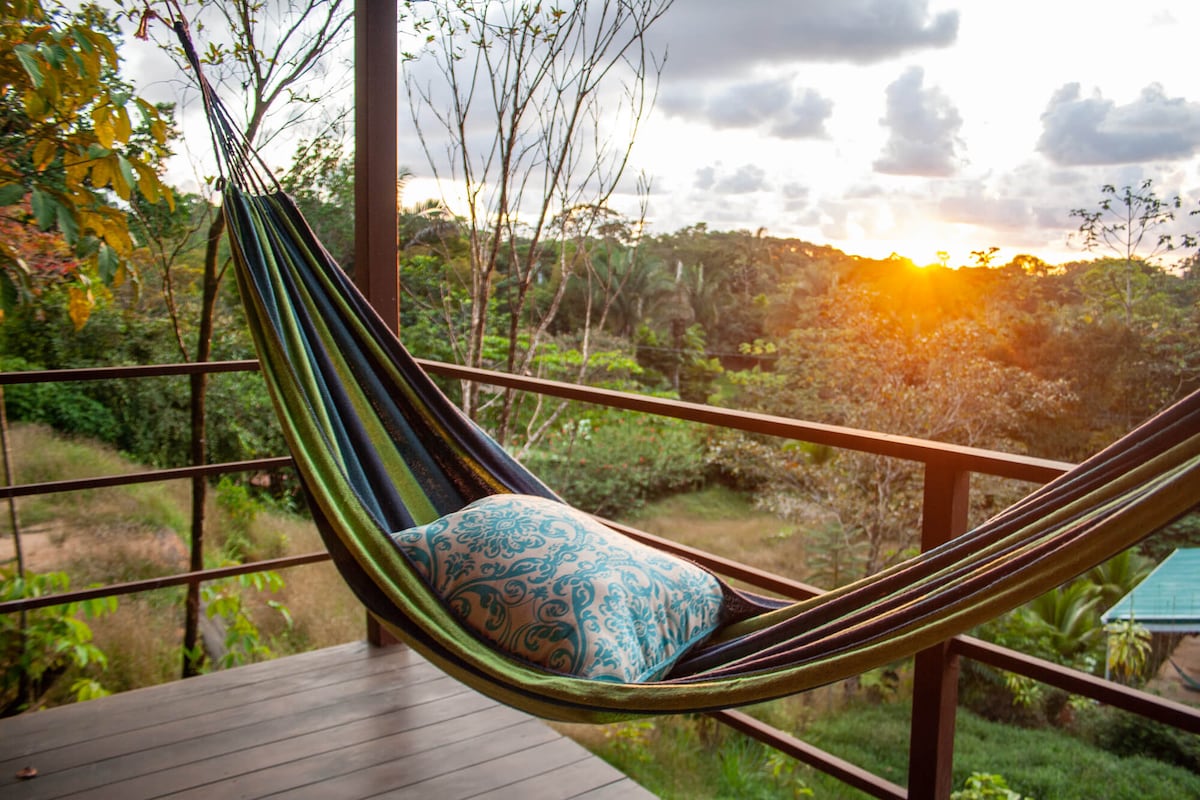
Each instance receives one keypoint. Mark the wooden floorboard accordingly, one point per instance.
(347, 722)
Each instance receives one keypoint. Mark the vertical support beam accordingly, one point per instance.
(376, 169)
(376, 165)
(935, 672)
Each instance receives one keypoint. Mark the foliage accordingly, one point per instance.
(1065, 622)
(1118, 576)
(1128, 650)
(686, 758)
(147, 418)
(534, 77)
(1126, 221)
(321, 181)
(67, 408)
(1131, 735)
(612, 462)
(225, 600)
(39, 647)
(692, 757)
(70, 144)
(1062, 626)
(983, 786)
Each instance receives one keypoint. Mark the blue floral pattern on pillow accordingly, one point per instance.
(552, 585)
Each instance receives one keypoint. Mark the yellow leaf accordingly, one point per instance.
(91, 63)
(104, 131)
(101, 173)
(119, 184)
(123, 129)
(80, 305)
(150, 184)
(35, 105)
(43, 153)
(158, 129)
(110, 225)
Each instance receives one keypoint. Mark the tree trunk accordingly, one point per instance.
(199, 448)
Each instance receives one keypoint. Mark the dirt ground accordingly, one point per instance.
(1167, 682)
(51, 546)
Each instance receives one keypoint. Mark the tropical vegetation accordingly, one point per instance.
(102, 263)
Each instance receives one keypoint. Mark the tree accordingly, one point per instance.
(526, 98)
(75, 144)
(1129, 223)
(269, 51)
(321, 181)
(1132, 300)
(984, 258)
(856, 360)
(1029, 264)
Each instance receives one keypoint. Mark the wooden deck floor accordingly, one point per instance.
(346, 722)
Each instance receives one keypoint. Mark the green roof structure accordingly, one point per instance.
(1168, 600)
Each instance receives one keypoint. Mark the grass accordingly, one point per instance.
(691, 757)
(133, 532)
(40, 455)
(724, 522)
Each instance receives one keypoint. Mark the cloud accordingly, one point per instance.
(795, 197)
(771, 104)
(747, 105)
(980, 208)
(924, 129)
(709, 37)
(1079, 130)
(804, 118)
(746, 179)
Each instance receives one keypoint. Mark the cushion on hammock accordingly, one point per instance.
(551, 585)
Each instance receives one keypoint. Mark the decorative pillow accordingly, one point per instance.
(551, 585)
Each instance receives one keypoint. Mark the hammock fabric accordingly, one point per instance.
(379, 448)
(1189, 682)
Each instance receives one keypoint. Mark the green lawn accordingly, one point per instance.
(691, 758)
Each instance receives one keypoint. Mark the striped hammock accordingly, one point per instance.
(379, 448)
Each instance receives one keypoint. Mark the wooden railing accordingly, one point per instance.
(190, 579)
(946, 493)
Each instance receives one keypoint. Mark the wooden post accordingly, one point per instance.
(376, 169)
(935, 673)
(376, 164)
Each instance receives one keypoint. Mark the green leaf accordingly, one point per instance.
(67, 224)
(11, 193)
(283, 610)
(27, 55)
(81, 39)
(126, 171)
(45, 209)
(55, 54)
(108, 263)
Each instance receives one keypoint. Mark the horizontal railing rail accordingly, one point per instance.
(124, 372)
(164, 582)
(959, 457)
(149, 476)
(947, 466)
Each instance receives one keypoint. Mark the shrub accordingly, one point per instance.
(615, 461)
(64, 406)
(982, 786)
(1127, 734)
(41, 648)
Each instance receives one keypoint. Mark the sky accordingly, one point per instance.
(909, 126)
